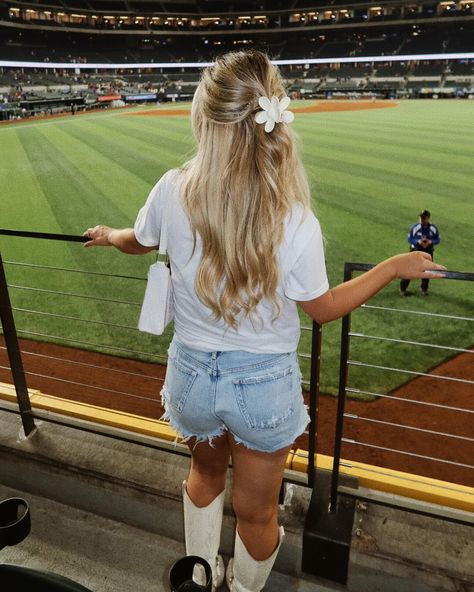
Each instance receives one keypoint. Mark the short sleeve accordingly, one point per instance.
(307, 277)
(147, 226)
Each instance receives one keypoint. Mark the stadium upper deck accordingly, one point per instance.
(119, 33)
(225, 18)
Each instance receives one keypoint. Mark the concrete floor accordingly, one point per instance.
(107, 513)
(105, 555)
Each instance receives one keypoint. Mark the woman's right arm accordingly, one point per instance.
(345, 297)
(122, 239)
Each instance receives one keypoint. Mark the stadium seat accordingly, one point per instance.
(15, 577)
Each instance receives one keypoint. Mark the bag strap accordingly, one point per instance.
(162, 247)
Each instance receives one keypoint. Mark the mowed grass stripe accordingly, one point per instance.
(145, 160)
(20, 182)
(162, 139)
(352, 181)
(75, 202)
(31, 210)
(376, 204)
(450, 146)
(74, 199)
(126, 189)
(446, 123)
(396, 168)
(379, 183)
(370, 144)
(397, 130)
(72, 196)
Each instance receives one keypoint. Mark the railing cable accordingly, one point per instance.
(406, 427)
(413, 454)
(406, 400)
(406, 341)
(88, 386)
(75, 295)
(81, 271)
(99, 345)
(418, 312)
(88, 365)
(391, 369)
(72, 318)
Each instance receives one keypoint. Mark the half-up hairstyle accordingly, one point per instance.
(240, 186)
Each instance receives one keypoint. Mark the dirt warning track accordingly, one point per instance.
(318, 107)
(437, 415)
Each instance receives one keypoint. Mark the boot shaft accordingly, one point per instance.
(246, 574)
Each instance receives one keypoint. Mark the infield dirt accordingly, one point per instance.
(318, 107)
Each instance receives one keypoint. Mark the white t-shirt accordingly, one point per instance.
(302, 277)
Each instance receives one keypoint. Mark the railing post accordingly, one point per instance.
(14, 355)
(341, 399)
(314, 399)
(327, 533)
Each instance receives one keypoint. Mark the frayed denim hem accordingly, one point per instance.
(184, 434)
(279, 446)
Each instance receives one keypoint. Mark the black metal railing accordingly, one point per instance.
(346, 362)
(12, 333)
(19, 374)
(329, 518)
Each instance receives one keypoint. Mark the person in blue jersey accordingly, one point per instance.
(423, 236)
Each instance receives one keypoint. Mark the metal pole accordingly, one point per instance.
(14, 355)
(314, 399)
(46, 235)
(341, 400)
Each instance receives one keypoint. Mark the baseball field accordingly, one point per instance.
(371, 171)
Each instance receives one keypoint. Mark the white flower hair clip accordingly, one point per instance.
(273, 112)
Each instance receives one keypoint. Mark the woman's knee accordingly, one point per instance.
(252, 511)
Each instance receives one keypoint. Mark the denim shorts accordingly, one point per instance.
(256, 397)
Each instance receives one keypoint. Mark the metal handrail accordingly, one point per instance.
(314, 357)
(345, 362)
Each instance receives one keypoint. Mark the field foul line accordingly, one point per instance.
(64, 121)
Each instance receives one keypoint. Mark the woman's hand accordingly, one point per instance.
(122, 239)
(99, 235)
(414, 265)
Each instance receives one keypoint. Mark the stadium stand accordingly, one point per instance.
(55, 31)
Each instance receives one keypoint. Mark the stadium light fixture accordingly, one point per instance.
(154, 65)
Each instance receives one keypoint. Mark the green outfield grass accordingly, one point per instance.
(370, 172)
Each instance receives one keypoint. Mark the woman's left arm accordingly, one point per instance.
(122, 239)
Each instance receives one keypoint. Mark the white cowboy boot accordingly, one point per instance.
(244, 573)
(202, 533)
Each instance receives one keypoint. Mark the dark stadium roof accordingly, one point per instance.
(184, 6)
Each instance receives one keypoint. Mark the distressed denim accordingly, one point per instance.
(257, 397)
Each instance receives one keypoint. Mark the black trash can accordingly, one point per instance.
(15, 523)
(181, 575)
(15, 526)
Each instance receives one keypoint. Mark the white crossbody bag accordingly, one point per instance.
(158, 308)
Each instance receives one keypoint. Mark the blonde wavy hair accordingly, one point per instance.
(240, 186)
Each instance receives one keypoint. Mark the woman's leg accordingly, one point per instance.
(208, 471)
(257, 482)
(257, 478)
(203, 500)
